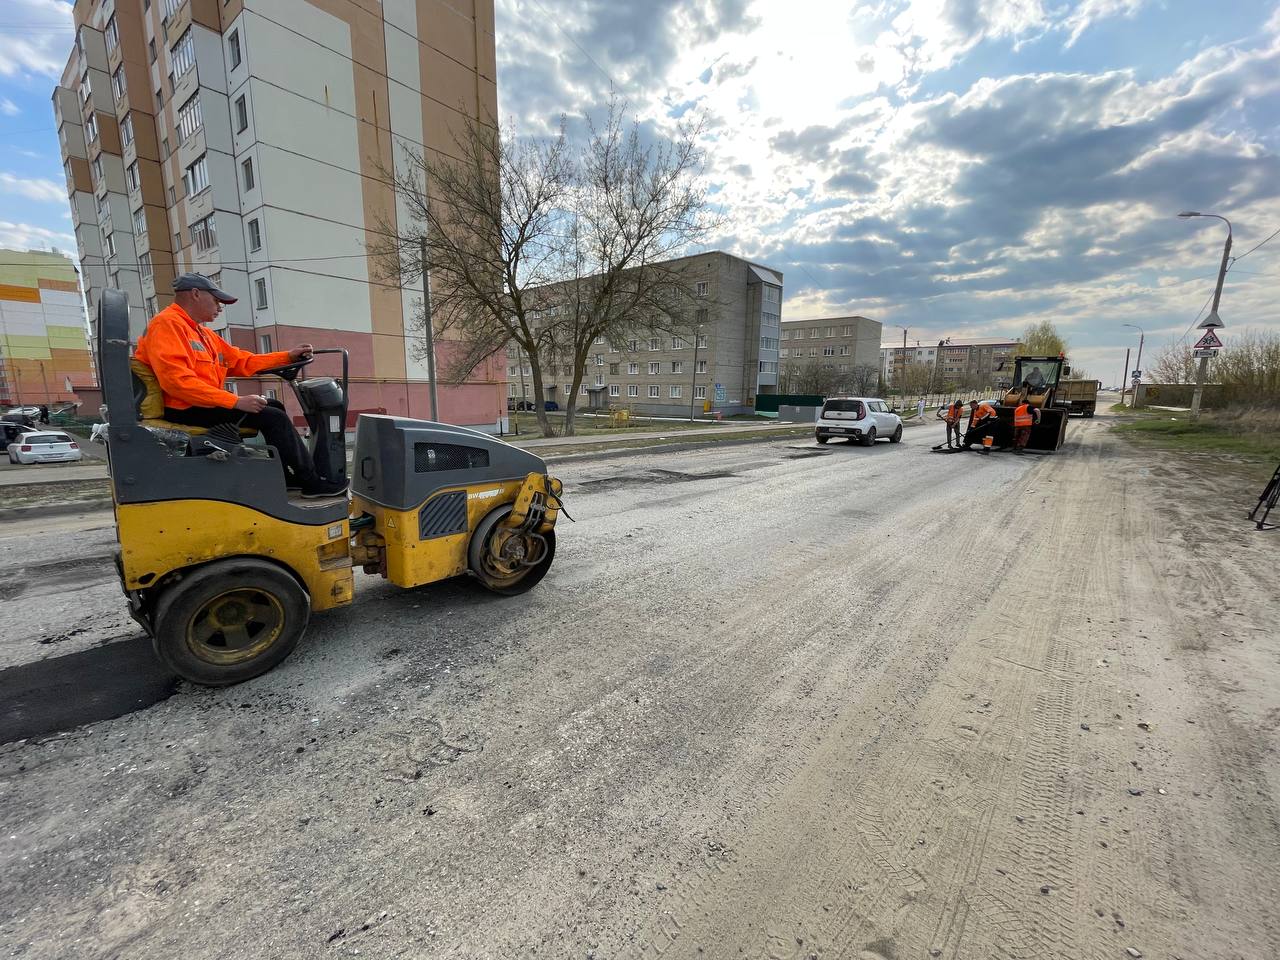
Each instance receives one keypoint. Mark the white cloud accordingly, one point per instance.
(1090, 12)
(34, 188)
(39, 39)
(27, 236)
(8, 107)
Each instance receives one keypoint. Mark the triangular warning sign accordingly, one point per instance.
(1209, 341)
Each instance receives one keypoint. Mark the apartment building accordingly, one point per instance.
(244, 139)
(728, 355)
(950, 364)
(843, 349)
(44, 349)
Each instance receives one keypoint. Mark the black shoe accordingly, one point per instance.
(322, 487)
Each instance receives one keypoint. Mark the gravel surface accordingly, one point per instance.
(772, 700)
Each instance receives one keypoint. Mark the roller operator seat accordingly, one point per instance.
(148, 401)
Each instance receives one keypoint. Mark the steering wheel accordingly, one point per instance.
(290, 370)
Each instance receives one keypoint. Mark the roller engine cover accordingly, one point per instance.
(399, 462)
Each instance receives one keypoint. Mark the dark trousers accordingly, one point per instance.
(953, 429)
(1020, 437)
(272, 422)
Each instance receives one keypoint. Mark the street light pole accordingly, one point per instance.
(693, 387)
(1137, 366)
(1203, 369)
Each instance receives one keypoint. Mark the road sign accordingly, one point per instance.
(1210, 339)
(1137, 374)
(720, 394)
(1211, 321)
(1204, 353)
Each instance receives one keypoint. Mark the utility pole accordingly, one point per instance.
(429, 326)
(1137, 366)
(1124, 380)
(1213, 320)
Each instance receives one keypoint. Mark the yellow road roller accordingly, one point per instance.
(223, 567)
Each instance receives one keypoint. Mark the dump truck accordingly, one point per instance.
(1079, 396)
(223, 566)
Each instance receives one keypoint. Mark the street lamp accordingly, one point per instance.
(1137, 367)
(1213, 320)
(902, 385)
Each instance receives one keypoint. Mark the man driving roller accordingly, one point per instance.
(192, 364)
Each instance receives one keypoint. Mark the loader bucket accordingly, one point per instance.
(1051, 432)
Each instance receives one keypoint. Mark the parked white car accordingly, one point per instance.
(858, 419)
(46, 447)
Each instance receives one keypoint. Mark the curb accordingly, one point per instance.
(55, 509)
(665, 447)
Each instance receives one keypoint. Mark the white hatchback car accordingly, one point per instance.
(46, 447)
(860, 419)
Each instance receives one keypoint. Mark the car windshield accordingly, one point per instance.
(1039, 375)
(843, 406)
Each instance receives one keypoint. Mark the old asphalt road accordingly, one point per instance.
(773, 700)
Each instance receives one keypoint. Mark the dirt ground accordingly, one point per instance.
(772, 701)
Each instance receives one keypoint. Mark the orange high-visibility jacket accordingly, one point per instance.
(955, 412)
(1022, 415)
(982, 412)
(192, 362)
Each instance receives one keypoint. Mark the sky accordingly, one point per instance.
(960, 168)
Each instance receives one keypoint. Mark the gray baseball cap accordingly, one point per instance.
(198, 281)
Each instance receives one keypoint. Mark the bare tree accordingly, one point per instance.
(550, 248)
(1173, 364)
(864, 379)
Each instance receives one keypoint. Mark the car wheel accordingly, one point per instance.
(822, 439)
(869, 439)
(897, 435)
(230, 621)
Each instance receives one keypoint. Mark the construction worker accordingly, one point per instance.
(1025, 417)
(981, 415)
(192, 363)
(952, 414)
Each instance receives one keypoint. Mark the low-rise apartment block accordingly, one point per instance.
(44, 349)
(951, 364)
(830, 355)
(727, 355)
(245, 140)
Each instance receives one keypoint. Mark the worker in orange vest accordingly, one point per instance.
(980, 412)
(1025, 417)
(952, 414)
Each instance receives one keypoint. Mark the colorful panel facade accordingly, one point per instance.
(44, 347)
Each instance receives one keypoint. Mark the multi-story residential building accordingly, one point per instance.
(728, 355)
(246, 140)
(843, 350)
(951, 364)
(44, 350)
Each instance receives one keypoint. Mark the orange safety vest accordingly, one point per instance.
(1022, 415)
(983, 411)
(191, 362)
(955, 412)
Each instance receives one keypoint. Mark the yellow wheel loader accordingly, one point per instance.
(223, 567)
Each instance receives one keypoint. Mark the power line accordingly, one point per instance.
(1255, 247)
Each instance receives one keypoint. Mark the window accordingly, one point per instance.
(91, 127)
(614, 390)
(829, 331)
(768, 366)
(599, 359)
(655, 343)
(118, 84)
(140, 221)
(109, 244)
(654, 392)
(242, 115)
(654, 368)
(190, 118)
(677, 366)
(131, 176)
(96, 166)
(599, 379)
(255, 241)
(164, 148)
(813, 351)
(633, 345)
(112, 34)
(260, 293)
(600, 339)
(170, 8)
(844, 350)
(613, 369)
(633, 368)
(847, 332)
(264, 343)
(828, 351)
(702, 341)
(678, 343)
(204, 235)
(151, 306)
(633, 390)
(700, 315)
(567, 389)
(675, 392)
(173, 195)
(772, 294)
(104, 211)
(160, 96)
(144, 266)
(699, 393)
(768, 343)
(177, 242)
(183, 55)
(702, 367)
(196, 177)
(151, 50)
(233, 44)
(813, 333)
(770, 319)
(613, 347)
(582, 390)
(246, 172)
(700, 288)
